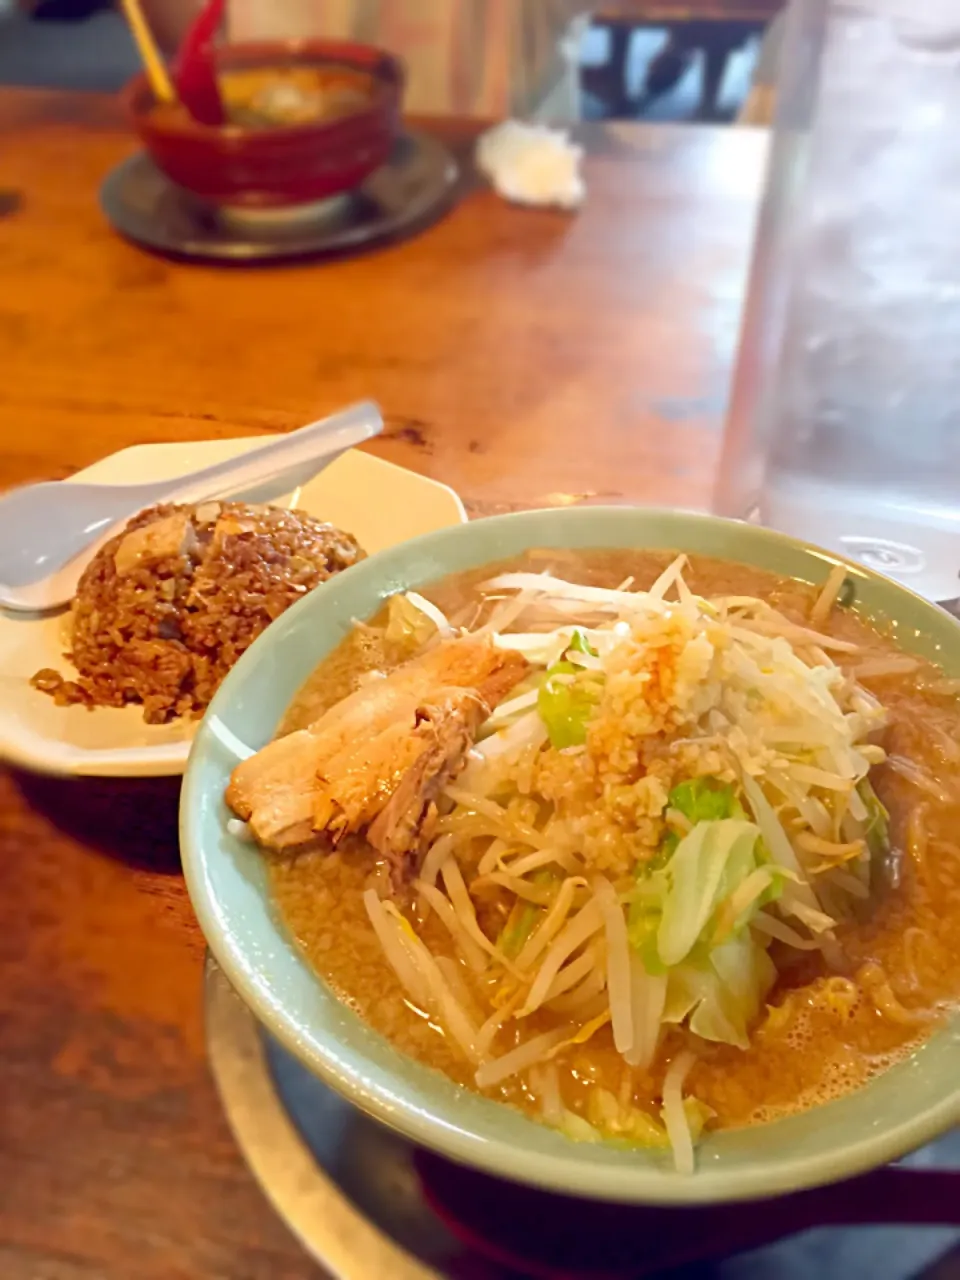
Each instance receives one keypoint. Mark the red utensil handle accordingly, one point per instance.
(195, 72)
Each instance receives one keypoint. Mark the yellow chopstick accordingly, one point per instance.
(155, 67)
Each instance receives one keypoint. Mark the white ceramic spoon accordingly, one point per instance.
(49, 532)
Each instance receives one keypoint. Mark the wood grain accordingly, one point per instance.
(527, 358)
(673, 11)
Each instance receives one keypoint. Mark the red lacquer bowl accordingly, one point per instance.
(283, 165)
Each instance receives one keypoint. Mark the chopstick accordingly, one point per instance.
(153, 63)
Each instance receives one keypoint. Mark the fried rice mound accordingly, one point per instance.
(166, 608)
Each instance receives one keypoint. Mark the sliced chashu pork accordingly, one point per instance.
(396, 735)
(446, 729)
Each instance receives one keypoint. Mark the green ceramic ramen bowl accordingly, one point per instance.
(909, 1105)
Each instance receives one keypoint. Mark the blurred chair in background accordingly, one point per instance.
(704, 33)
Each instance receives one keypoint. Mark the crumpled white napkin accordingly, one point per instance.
(532, 164)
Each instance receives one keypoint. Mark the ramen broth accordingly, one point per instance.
(278, 96)
(823, 1032)
(272, 96)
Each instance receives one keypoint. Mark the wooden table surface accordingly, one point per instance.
(526, 358)
(671, 11)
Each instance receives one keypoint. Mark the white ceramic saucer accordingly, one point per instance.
(379, 503)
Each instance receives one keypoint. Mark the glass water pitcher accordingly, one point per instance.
(844, 424)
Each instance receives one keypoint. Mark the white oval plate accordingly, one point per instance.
(379, 503)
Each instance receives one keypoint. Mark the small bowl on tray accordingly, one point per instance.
(902, 1108)
(287, 164)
